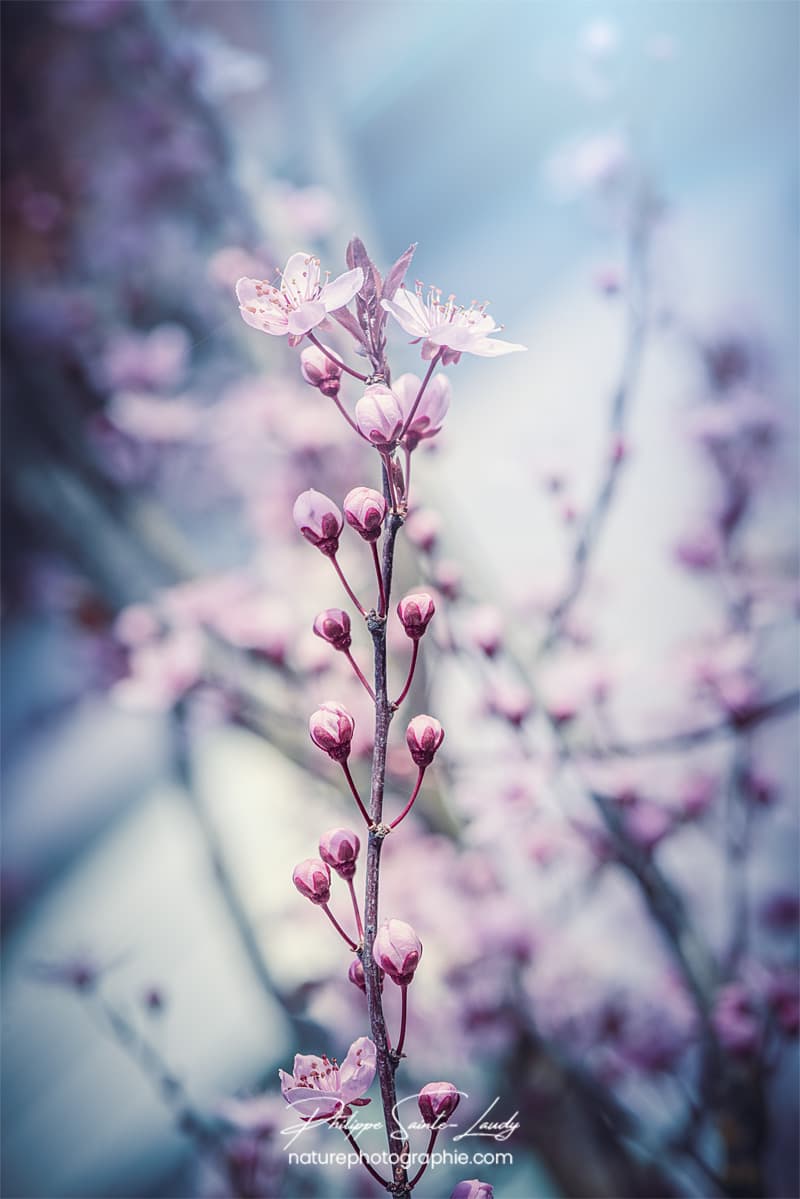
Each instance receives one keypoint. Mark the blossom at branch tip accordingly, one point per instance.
(333, 626)
(431, 410)
(331, 728)
(319, 520)
(446, 325)
(437, 1102)
(319, 371)
(397, 949)
(301, 302)
(472, 1188)
(364, 511)
(320, 1089)
(416, 612)
(424, 735)
(339, 848)
(379, 417)
(313, 880)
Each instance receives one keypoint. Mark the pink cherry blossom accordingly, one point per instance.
(300, 303)
(416, 612)
(339, 848)
(447, 326)
(424, 735)
(331, 728)
(333, 626)
(437, 1102)
(313, 880)
(319, 1089)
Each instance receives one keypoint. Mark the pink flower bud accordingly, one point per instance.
(331, 728)
(437, 1102)
(422, 529)
(318, 370)
(424, 735)
(319, 520)
(379, 416)
(416, 612)
(333, 626)
(364, 510)
(431, 409)
(357, 976)
(397, 950)
(473, 1189)
(313, 879)
(339, 848)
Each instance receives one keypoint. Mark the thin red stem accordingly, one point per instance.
(359, 925)
(403, 1016)
(362, 1158)
(407, 480)
(335, 358)
(346, 415)
(428, 1152)
(346, 585)
(420, 393)
(381, 592)
(410, 803)
(404, 692)
(356, 796)
(359, 673)
(337, 926)
(387, 462)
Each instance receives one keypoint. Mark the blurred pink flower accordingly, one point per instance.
(300, 303)
(151, 361)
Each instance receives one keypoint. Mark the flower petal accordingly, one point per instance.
(306, 317)
(493, 347)
(408, 315)
(300, 279)
(313, 1105)
(341, 291)
(357, 1070)
(273, 322)
(406, 388)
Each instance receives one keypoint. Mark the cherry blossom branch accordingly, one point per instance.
(359, 674)
(433, 364)
(356, 796)
(350, 942)
(404, 692)
(342, 365)
(356, 911)
(346, 585)
(381, 592)
(414, 793)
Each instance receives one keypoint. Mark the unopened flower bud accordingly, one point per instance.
(331, 728)
(473, 1189)
(333, 626)
(313, 879)
(437, 1102)
(424, 735)
(319, 520)
(364, 510)
(416, 612)
(422, 528)
(318, 370)
(486, 629)
(397, 950)
(339, 848)
(379, 416)
(357, 976)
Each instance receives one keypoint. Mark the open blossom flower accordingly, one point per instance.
(319, 1089)
(319, 520)
(447, 326)
(300, 303)
(397, 950)
(432, 409)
